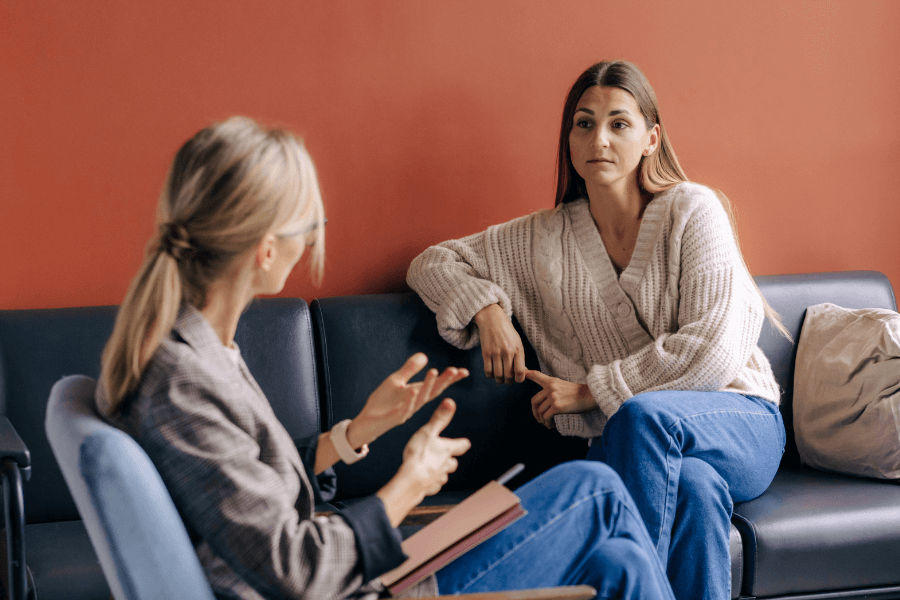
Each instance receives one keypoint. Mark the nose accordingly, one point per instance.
(600, 139)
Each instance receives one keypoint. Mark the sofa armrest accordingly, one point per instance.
(12, 446)
(570, 592)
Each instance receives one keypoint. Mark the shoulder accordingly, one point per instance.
(688, 197)
(182, 381)
(694, 205)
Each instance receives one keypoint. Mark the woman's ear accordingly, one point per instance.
(266, 252)
(652, 140)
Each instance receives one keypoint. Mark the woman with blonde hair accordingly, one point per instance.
(644, 317)
(239, 209)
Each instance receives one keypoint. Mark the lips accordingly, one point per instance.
(600, 160)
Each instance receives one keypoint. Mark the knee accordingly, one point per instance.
(592, 475)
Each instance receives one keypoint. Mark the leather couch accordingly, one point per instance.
(811, 535)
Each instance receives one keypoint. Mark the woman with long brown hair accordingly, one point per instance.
(241, 206)
(635, 295)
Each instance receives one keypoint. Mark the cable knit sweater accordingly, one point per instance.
(683, 315)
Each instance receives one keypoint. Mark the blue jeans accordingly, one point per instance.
(686, 458)
(581, 528)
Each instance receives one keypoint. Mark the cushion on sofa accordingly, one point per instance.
(789, 295)
(847, 391)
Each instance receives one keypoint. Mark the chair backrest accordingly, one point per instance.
(138, 535)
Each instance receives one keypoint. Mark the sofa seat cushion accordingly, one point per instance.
(814, 531)
(63, 562)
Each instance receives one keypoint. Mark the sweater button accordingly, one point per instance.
(623, 309)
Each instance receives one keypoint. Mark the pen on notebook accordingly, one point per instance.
(512, 472)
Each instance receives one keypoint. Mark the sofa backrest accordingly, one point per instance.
(362, 339)
(789, 295)
(38, 347)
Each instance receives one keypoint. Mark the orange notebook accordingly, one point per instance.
(463, 527)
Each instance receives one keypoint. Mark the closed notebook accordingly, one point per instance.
(463, 527)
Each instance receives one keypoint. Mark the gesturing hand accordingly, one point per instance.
(501, 346)
(396, 400)
(558, 396)
(428, 459)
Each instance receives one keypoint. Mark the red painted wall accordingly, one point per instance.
(431, 120)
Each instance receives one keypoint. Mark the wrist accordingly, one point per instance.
(400, 495)
(486, 313)
(586, 398)
(361, 431)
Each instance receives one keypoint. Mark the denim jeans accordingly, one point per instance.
(581, 528)
(686, 458)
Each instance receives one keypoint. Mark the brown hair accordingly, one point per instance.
(657, 172)
(228, 186)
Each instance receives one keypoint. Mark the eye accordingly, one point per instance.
(619, 125)
(583, 123)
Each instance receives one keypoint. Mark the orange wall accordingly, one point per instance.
(430, 120)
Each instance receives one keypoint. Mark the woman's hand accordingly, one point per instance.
(558, 397)
(428, 460)
(501, 346)
(396, 400)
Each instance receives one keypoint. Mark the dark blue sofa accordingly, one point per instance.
(811, 535)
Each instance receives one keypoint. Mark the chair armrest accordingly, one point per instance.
(12, 446)
(569, 592)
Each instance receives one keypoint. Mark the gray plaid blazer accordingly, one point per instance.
(240, 484)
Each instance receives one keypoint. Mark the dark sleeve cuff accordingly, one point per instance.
(324, 484)
(377, 541)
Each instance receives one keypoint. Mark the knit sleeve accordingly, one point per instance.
(458, 278)
(720, 315)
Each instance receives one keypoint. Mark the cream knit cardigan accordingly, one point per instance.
(683, 315)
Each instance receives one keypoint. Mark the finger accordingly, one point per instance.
(509, 361)
(488, 366)
(440, 418)
(450, 376)
(413, 365)
(497, 367)
(457, 446)
(537, 377)
(547, 410)
(536, 401)
(451, 465)
(505, 367)
(519, 368)
(424, 393)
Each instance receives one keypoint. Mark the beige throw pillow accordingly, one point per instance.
(847, 391)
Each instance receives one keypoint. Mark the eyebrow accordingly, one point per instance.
(612, 113)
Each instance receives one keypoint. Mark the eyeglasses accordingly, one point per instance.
(310, 228)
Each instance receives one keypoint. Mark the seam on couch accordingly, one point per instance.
(312, 355)
(322, 339)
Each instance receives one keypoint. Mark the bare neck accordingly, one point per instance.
(226, 300)
(616, 209)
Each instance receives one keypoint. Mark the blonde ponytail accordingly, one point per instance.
(147, 313)
(229, 185)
